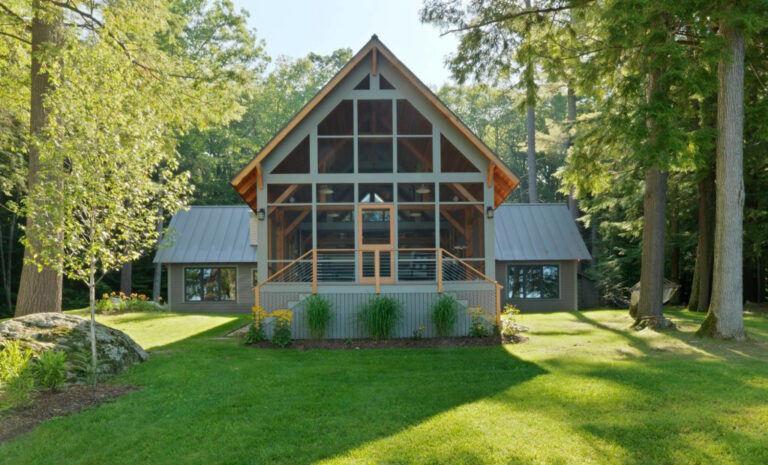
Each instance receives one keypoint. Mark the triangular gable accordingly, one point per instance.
(499, 175)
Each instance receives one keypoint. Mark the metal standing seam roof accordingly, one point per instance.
(542, 231)
(208, 234)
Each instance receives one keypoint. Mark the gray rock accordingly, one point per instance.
(40, 332)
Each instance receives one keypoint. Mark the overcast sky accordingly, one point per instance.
(297, 27)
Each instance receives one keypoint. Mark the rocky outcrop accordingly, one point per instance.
(59, 331)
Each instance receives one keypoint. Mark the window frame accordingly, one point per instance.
(202, 299)
(541, 266)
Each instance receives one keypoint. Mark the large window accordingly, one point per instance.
(210, 284)
(533, 282)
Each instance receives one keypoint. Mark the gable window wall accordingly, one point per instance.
(384, 140)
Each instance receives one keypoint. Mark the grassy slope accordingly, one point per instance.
(582, 390)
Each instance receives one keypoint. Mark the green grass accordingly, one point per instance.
(584, 389)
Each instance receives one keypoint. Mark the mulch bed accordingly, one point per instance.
(400, 343)
(48, 404)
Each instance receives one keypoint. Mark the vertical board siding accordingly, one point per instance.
(243, 304)
(346, 306)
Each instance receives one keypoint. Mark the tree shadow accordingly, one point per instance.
(206, 399)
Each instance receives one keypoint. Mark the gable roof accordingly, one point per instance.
(541, 231)
(504, 180)
(208, 234)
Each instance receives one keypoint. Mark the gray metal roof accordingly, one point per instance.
(208, 234)
(542, 231)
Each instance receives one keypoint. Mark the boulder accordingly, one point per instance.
(40, 332)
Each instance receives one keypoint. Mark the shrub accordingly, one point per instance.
(15, 374)
(119, 302)
(480, 325)
(445, 313)
(19, 389)
(14, 360)
(418, 333)
(281, 332)
(380, 315)
(256, 331)
(319, 313)
(81, 362)
(510, 321)
(50, 369)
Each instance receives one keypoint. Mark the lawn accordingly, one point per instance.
(584, 389)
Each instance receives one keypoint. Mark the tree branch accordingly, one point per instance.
(13, 14)
(12, 36)
(509, 17)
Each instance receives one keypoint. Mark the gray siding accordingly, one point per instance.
(243, 304)
(346, 305)
(568, 288)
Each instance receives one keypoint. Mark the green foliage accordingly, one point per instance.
(16, 374)
(445, 313)
(510, 319)
(418, 333)
(119, 302)
(255, 334)
(319, 313)
(380, 315)
(281, 333)
(480, 322)
(84, 366)
(19, 390)
(50, 369)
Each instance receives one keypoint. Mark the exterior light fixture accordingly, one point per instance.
(325, 190)
(415, 214)
(333, 214)
(422, 189)
(261, 214)
(489, 212)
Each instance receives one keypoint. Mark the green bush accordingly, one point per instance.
(19, 390)
(380, 315)
(50, 370)
(14, 360)
(281, 334)
(319, 313)
(255, 334)
(15, 374)
(445, 313)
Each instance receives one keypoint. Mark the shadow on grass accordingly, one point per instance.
(208, 400)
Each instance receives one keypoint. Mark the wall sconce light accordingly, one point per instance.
(489, 212)
(261, 214)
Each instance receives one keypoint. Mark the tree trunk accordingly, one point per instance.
(725, 316)
(649, 313)
(530, 126)
(674, 252)
(650, 308)
(39, 291)
(126, 273)
(573, 203)
(92, 305)
(158, 276)
(704, 247)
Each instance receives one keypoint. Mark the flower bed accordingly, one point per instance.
(117, 302)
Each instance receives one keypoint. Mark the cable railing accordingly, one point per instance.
(377, 267)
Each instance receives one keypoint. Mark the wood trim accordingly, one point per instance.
(374, 71)
(375, 46)
(259, 176)
(491, 169)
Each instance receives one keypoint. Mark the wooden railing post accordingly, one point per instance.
(439, 271)
(498, 304)
(314, 271)
(376, 272)
(256, 299)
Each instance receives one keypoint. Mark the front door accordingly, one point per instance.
(376, 236)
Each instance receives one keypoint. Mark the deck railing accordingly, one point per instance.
(377, 267)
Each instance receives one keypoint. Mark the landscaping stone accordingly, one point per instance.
(59, 331)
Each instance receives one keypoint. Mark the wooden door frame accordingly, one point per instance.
(382, 248)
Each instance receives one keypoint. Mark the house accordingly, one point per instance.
(375, 187)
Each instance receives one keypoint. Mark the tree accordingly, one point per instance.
(725, 316)
(187, 61)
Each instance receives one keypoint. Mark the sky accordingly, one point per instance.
(296, 27)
